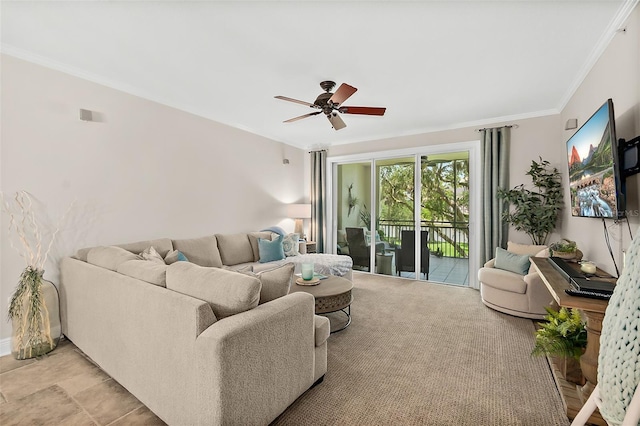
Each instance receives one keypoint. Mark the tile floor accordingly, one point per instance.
(65, 388)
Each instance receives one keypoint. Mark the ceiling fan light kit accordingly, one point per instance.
(330, 104)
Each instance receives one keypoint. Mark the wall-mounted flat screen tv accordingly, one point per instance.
(594, 172)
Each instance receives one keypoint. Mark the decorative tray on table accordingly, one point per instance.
(312, 281)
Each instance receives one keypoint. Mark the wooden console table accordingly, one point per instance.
(594, 311)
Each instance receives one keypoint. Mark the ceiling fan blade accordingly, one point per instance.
(342, 94)
(362, 110)
(301, 117)
(284, 98)
(336, 121)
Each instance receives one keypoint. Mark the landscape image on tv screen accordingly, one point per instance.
(591, 168)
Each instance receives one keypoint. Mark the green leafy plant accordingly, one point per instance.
(564, 334)
(564, 246)
(365, 218)
(535, 211)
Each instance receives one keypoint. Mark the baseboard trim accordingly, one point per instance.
(5, 346)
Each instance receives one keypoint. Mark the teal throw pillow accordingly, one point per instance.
(270, 250)
(175, 256)
(182, 257)
(512, 262)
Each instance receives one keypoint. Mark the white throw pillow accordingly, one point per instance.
(152, 255)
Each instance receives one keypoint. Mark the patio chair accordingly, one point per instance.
(358, 248)
(406, 253)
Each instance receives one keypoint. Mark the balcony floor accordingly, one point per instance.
(446, 270)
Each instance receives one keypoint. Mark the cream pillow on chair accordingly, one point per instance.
(529, 249)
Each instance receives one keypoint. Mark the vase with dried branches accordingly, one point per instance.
(34, 306)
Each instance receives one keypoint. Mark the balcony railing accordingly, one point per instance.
(448, 239)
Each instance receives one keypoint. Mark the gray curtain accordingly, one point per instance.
(318, 198)
(495, 174)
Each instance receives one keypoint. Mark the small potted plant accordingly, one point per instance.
(565, 249)
(563, 337)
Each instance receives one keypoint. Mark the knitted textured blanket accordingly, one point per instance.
(619, 359)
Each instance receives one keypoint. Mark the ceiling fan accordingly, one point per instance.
(331, 104)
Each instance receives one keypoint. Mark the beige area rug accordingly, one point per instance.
(426, 354)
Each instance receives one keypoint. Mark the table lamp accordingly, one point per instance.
(299, 212)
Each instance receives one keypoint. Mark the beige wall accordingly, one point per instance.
(358, 175)
(616, 75)
(142, 170)
(533, 138)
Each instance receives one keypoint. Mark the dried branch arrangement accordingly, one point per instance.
(27, 309)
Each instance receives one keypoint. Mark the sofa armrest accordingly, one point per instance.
(322, 329)
(253, 365)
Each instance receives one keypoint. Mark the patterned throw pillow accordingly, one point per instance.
(152, 255)
(290, 245)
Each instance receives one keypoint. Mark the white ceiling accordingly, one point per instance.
(434, 65)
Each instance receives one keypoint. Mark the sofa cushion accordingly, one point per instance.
(241, 267)
(291, 244)
(502, 280)
(271, 251)
(234, 248)
(110, 257)
(227, 292)
(276, 282)
(201, 251)
(175, 256)
(517, 263)
(162, 246)
(151, 272)
(531, 250)
(150, 254)
(253, 239)
(82, 253)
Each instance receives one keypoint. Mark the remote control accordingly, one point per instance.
(589, 294)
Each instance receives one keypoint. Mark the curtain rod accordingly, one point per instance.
(509, 126)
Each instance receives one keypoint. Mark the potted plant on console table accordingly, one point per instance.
(566, 249)
(563, 338)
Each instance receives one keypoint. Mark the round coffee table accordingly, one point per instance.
(333, 294)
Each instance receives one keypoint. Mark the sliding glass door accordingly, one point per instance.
(444, 217)
(386, 229)
(353, 213)
(395, 223)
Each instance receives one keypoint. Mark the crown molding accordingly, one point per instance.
(612, 29)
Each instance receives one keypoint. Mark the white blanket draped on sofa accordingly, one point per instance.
(327, 264)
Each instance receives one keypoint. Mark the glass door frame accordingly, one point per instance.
(475, 216)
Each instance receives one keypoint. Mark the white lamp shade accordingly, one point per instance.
(299, 211)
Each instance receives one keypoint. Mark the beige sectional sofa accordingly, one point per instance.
(190, 340)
